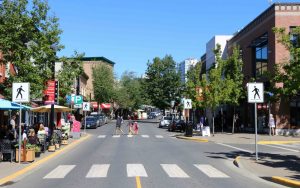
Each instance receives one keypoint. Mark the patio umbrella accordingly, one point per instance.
(47, 108)
(8, 105)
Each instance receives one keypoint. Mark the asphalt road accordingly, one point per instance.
(153, 159)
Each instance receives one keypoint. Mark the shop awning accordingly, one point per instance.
(8, 105)
(47, 108)
(105, 105)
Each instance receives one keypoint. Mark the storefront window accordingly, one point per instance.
(295, 113)
(261, 62)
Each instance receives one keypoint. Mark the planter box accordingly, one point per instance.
(64, 142)
(51, 148)
(29, 156)
(56, 146)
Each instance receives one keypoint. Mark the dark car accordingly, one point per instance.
(177, 125)
(91, 122)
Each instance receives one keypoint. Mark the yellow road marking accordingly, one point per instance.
(286, 181)
(278, 142)
(138, 182)
(35, 164)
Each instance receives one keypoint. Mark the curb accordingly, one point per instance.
(41, 161)
(263, 142)
(285, 181)
(236, 161)
(193, 139)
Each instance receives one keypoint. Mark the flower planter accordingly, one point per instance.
(56, 146)
(51, 148)
(37, 154)
(64, 142)
(29, 155)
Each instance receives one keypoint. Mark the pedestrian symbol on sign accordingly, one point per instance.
(86, 106)
(19, 92)
(256, 90)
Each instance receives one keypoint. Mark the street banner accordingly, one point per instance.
(21, 92)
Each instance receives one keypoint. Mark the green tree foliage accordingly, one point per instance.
(129, 92)
(27, 35)
(288, 72)
(103, 82)
(162, 82)
(193, 85)
(71, 69)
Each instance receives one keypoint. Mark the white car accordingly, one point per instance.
(165, 121)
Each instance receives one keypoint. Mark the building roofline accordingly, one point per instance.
(272, 7)
(98, 59)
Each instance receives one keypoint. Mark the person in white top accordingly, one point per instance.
(272, 124)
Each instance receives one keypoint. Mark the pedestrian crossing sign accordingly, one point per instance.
(255, 92)
(20, 92)
(86, 106)
(187, 104)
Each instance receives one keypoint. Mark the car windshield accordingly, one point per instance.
(90, 119)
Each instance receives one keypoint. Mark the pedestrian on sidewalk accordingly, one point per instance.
(118, 125)
(272, 124)
(136, 128)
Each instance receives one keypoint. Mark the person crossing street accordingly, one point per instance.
(118, 125)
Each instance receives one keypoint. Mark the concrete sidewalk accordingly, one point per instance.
(281, 168)
(10, 171)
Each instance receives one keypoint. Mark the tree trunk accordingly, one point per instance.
(213, 123)
(233, 122)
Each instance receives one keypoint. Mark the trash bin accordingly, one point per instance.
(189, 129)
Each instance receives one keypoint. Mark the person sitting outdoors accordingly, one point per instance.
(32, 138)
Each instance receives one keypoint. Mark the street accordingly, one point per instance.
(154, 158)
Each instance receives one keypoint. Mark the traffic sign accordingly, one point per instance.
(20, 92)
(187, 104)
(78, 99)
(77, 105)
(255, 92)
(86, 106)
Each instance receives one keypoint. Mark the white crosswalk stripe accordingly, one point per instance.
(174, 171)
(158, 136)
(210, 171)
(98, 171)
(145, 136)
(130, 136)
(134, 170)
(101, 136)
(116, 136)
(59, 172)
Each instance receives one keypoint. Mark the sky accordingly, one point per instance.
(131, 32)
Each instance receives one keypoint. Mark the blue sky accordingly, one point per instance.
(131, 32)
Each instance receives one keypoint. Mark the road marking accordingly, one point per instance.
(158, 136)
(98, 171)
(248, 151)
(59, 172)
(130, 136)
(174, 171)
(145, 136)
(272, 146)
(101, 136)
(116, 136)
(134, 170)
(296, 146)
(138, 182)
(210, 171)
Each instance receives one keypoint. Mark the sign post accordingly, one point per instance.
(255, 95)
(20, 93)
(85, 107)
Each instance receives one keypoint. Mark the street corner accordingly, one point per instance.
(277, 142)
(286, 181)
(195, 139)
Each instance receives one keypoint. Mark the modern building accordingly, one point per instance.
(184, 66)
(211, 46)
(260, 53)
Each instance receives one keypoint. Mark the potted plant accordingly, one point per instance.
(27, 152)
(51, 146)
(37, 150)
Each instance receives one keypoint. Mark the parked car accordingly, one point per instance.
(99, 120)
(152, 115)
(91, 122)
(103, 119)
(177, 125)
(165, 121)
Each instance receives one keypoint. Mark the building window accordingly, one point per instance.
(261, 61)
(295, 113)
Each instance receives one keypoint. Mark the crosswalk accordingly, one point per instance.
(134, 170)
(130, 136)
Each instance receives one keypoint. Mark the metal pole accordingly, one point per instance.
(255, 119)
(269, 117)
(20, 139)
(85, 122)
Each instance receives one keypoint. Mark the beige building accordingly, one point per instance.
(89, 63)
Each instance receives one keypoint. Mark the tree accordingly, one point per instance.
(72, 68)
(103, 82)
(162, 82)
(233, 81)
(27, 38)
(288, 73)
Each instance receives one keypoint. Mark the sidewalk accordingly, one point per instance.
(14, 169)
(281, 168)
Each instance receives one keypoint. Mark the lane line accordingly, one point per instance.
(134, 170)
(130, 136)
(210, 171)
(248, 151)
(174, 171)
(158, 136)
(116, 136)
(294, 146)
(101, 136)
(138, 182)
(59, 172)
(145, 136)
(272, 146)
(98, 171)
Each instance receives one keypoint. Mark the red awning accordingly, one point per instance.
(94, 104)
(105, 105)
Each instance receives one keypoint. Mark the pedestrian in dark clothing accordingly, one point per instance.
(118, 125)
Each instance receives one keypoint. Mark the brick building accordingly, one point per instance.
(260, 52)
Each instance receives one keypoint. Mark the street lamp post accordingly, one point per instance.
(54, 48)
